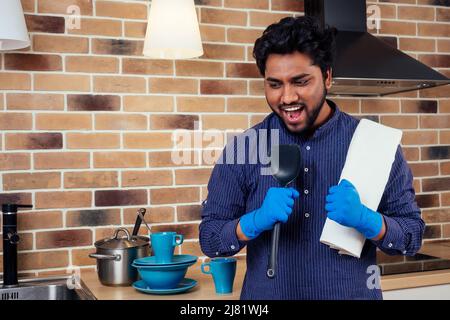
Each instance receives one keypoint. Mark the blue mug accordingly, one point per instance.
(163, 245)
(223, 271)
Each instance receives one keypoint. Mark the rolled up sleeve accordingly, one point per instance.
(222, 209)
(402, 216)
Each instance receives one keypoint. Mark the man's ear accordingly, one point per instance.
(329, 78)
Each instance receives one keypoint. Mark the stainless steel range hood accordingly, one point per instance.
(364, 64)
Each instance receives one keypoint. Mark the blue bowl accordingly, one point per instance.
(163, 277)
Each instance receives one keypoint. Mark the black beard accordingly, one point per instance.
(312, 117)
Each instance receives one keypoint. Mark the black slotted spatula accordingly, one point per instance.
(285, 167)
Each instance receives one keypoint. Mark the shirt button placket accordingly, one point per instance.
(306, 191)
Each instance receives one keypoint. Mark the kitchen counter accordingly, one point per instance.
(205, 287)
(204, 290)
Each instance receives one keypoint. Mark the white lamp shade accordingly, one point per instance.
(13, 30)
(172, 30)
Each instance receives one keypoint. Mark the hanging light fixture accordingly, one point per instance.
(172, 30)
(13, 29)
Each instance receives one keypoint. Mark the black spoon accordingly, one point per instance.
(285, 167)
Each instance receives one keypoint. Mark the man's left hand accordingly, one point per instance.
(344, 206)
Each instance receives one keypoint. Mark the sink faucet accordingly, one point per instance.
(10, 241)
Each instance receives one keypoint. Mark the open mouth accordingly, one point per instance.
(293, 114)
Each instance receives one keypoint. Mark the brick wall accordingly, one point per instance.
(86, 122)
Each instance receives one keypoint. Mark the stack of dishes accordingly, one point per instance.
(164, 278)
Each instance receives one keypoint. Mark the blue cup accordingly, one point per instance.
(163, 245)
(223, 271)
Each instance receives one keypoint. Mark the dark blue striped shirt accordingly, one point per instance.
(307, 269)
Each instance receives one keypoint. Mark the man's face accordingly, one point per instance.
(295, 90)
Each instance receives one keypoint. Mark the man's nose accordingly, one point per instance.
(289, 95)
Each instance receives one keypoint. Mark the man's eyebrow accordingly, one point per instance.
(272, 79)
(294, 78)
(300, 76)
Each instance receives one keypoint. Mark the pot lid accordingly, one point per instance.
(116, 243)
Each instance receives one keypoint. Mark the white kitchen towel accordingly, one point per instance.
(367, 166)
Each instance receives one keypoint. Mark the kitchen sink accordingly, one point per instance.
(51, 288)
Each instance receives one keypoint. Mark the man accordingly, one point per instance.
(295, 57)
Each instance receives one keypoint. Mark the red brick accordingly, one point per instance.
(168, 122)
(223, 87)
(61, 160)
(400, 122)
(102, 27)
(199, 68)
(120, 197)
(250, 105)
(147, 67)
(224, 17)
(192, 176)
(63, 121)
(60, 44)
(93, 140)
(148, 103)
(154, 215)
(434, 122)
(39, 220)
(14, 161)
(120, 159)
(15, 81)
(43, 260)
(424, 169)
(247, 4)
(200, 104)
(61, 6)
(223, 52)
(174, 195)
(153, 140)
(121, 122)
(121, 10)
(212, 33)
(90, 102)
(95, 217)
(173, 85)
(419, 137)
(15, 121)
(27, 101)
(33, 62)
(90, 179)
(41, 23)
(62, 239)
(35, 180)
(146, 178)
(242, 70)
(92, 64)
(63, 199)
(33, 141)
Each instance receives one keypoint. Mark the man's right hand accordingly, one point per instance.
(277, 207)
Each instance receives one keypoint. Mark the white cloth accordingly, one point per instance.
(367, 166)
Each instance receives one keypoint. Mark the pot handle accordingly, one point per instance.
(116, 233)
(115, 257)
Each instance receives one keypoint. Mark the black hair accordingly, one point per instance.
(303, 34)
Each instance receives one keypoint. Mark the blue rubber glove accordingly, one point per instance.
(277, 207)
(344, 206)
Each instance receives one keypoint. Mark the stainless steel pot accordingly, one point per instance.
(115, 256)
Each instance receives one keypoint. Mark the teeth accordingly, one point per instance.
(292, 109)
